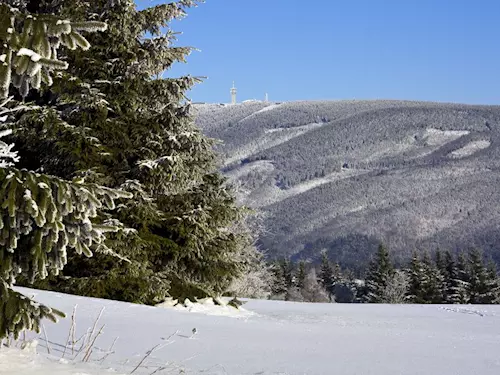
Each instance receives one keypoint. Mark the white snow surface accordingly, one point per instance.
(282, 338)
(26, 362)
(470, 148)
(206, 306)
(436, 137)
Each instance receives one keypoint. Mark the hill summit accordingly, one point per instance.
(345, 175)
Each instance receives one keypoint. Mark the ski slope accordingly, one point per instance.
(272, 337)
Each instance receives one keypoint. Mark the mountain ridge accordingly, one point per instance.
(345, 175)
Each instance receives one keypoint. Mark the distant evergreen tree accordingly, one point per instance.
(337, 275)
(493, 283)
(443, 277)
(380, 272)
(287, 269)
(483, 288)
(433, 281)
(326, 274)
(416, 276)
(284, 285)
(279, 285)
(427, 283)
(454, 287)
(462, 294)
(440, 260)
(301, 276)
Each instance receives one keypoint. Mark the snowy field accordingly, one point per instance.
(273, 338)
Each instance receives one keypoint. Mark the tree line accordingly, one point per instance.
(444, 278)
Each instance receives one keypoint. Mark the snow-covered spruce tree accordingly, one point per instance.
(284, 285)
(462, 281)
(440, 261)
(426, 282)
(279, 285)
(380, 272)
(396, 289)
(41, 216)
(415, 274)
(493, 283)
(483, 287)
(301, 274)
(119, 124)
(326, 277)
(450, 272)
(432, 281)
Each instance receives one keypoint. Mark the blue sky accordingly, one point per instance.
(433, 50)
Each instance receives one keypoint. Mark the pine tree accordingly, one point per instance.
(301, 276)
(337, 275)
(439, 258)
(415, 275)
(110, 121)
(426, 281)
(326, 274)
(442, 265)
(432, 282)
(41, 216)
(454, 293)
(287, 270)
(493, 284)
(279, 287)
(443, 277)
(380, 272)
(482, 282)
(463, 281)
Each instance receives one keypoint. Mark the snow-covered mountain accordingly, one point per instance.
(270, 337)
(344, 175)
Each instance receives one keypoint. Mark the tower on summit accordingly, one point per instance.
(233, 94)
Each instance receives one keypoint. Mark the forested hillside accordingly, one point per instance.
(345, 175)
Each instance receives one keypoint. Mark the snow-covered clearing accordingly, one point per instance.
(419, 145)
(265, 109)
(470, 148)
(436, 137)
(268, 108)
(279, 338)
(277, 195)
(302, 128)
(270, 139)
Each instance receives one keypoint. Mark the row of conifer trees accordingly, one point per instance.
(444, 278)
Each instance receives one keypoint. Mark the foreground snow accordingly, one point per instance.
(283, 338)
(27, 362)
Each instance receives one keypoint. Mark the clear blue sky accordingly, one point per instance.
(434, 50)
